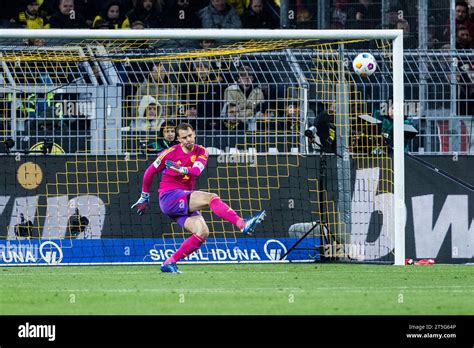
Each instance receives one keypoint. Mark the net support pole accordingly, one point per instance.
(284, 14)
(343, 162)
(423, 74)
(303, 97)
(454, 129)
(398, 152)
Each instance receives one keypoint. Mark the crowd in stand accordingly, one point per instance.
(464, 27)
(204, 100)
(214, 107)
(402, 14)
(141, 14)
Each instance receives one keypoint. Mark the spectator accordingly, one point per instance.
(149, 115)
(291, 119)
(87, 8)
(305, 14)
(238, 5)
(207, 44)
(462, 17)
(339, 15)
(363, 15)
(290, 126)
(166, 138)
(257, 16)
(463, 38)
(202, 95)
(248, 97)
(146, 11)
(221, 67)
(66, 17)
(159, 86)
(396, 20)
(465, 104)
(111, 15)
(218, 14)
(137, 25)
(433, 41)
(30, 17)
(36, 42)
(230, 119)
(181, 15)
(229, 128)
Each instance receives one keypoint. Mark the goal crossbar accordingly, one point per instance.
(200, 34)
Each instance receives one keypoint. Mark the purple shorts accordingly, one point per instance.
(174, 203)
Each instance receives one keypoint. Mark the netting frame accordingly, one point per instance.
(395, 36)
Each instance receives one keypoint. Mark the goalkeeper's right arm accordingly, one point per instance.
(157, 166)
(144, 199)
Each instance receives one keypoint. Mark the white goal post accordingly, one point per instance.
(395, 36)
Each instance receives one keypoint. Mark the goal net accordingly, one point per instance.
(288, 124)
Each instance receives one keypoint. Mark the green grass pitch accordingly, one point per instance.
(280, 289)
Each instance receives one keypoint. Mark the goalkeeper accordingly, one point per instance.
(182, 163)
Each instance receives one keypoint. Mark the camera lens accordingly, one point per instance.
(310, 132)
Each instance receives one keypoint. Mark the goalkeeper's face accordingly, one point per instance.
(187, 138)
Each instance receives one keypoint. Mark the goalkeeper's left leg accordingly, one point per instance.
(200, 232)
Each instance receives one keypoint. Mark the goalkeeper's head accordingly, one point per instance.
(186, 135)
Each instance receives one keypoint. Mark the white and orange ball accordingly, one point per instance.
(364, 64)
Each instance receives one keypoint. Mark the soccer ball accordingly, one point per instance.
(364, 64)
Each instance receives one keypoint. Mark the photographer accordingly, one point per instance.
(322, 130)
(385, 114)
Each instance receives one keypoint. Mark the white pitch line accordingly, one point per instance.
(452, 288)
(176, 291)
(112, 273)
(294, 271)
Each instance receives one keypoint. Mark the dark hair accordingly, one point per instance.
(183, 126)
(166, 66)
(244, 70)
(156, 5)
(167, 124)
(462, 3)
